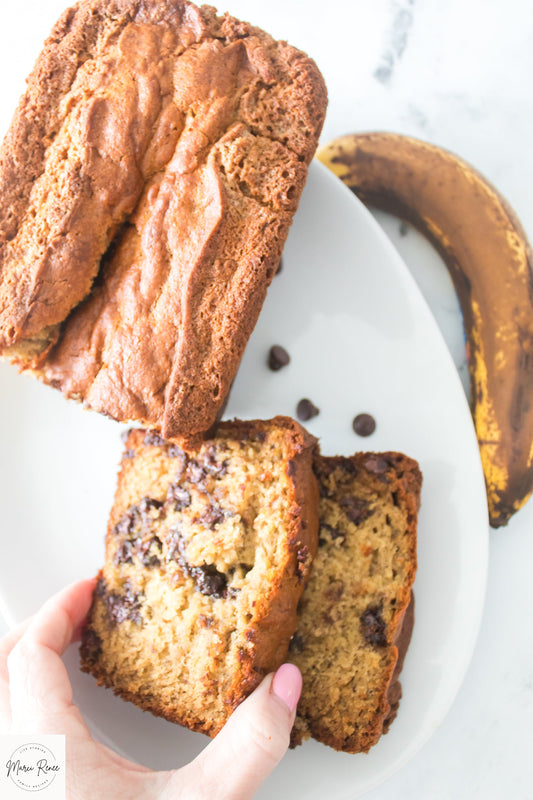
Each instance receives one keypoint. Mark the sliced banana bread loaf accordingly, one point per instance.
(207, 554)
(356, 614)
(147, 185)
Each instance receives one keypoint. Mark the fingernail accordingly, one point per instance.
(287, 685)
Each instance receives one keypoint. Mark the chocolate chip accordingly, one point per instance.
(296, 644)
(334, 533)
(277, 357)
(124, 553)
(377, 465)
(124, 606)
(195, 473)
(178, 497)
(153, 439)
(146, 506)
(305, 410)
(208, 580)
(198, 470)
(364, 424)
(149, 552)
(174, 451)
(214, 467)
(129, 454)
(213, 515)
(91, 646)
(133, 528)
(355, 508)
(373, 626)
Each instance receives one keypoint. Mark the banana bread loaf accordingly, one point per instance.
(147, 185)
(356, 614)
(207, 554)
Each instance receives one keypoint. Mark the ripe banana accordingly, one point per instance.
(490, 261)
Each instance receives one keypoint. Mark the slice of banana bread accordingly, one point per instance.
(147, 185)
(207, 554)
(356, 614)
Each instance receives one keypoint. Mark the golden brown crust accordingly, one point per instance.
(169, 160)
(178, 624)
(355, 620)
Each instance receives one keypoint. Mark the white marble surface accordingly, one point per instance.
(456, 74)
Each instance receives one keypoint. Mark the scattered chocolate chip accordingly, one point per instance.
(377, 465)
(305, 410)
(178, 497)
(129, 454)
(373, 626)
(174, 451)
(214, 467)
(355, 508)
(133, 528)
(195, 473)
(296, 644)
(277, 357)
(198, 470)
(334, 533)
(124, 553)
(207, 579)
(125, 606)
(146, 506)
(213, 515)
(153, 439)
(149, 552)
(364, 424)
(91, 646)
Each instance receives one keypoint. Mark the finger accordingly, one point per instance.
(7, 643)
(253, 741)
(38, 680)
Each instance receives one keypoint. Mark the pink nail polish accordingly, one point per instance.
(287, 685)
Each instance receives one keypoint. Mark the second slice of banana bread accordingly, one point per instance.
(356, 614)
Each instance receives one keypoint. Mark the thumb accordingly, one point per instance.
(254, 739)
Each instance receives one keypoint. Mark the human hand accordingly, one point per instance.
(36, 697)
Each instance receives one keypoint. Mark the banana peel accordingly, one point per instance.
(490, 262)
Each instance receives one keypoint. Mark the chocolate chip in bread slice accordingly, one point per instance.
(207, 553)
(356, 614)
(147, 185)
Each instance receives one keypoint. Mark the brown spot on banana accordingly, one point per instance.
(490, 261)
